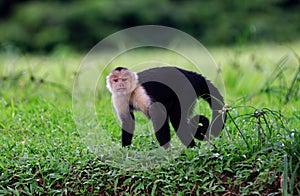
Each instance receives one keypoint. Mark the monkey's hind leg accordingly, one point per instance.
(163, 135)
(199, 123)
(181, 127)
(159, 118)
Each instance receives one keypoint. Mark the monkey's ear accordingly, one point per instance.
(133, 80)
(136, 77)
(108, 85)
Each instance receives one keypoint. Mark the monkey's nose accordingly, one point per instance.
(121, 85)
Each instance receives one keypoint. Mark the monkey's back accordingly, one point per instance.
(160, 81)
(156, 83)
(165, 84)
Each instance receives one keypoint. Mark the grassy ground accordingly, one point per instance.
(258, 153)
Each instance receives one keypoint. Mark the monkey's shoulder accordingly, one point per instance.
(140, 100)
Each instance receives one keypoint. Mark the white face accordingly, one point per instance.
(120, 85)
(121, 82)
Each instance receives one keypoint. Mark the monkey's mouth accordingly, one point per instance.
(121, 89)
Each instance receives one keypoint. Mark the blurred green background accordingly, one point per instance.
(44, 26)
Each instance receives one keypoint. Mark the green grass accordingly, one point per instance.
(258, 152)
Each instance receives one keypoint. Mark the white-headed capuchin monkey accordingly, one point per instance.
(174, 88)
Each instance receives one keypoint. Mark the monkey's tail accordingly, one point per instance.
(206, 90)
(216, 102)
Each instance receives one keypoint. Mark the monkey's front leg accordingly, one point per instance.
(128, 124)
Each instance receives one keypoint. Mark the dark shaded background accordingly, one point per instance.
(44, 26)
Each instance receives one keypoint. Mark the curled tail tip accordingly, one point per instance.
(224, 109)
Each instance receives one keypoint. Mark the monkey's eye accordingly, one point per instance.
(115, 80)
(124, 79)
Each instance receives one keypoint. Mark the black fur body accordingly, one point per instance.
(177, 90)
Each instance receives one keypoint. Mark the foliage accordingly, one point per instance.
(42, 151)
(48, 25)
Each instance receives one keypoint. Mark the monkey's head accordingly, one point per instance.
(121, 81)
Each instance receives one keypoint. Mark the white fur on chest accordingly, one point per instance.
(138, 99)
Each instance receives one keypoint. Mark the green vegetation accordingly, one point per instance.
(33, 25)
(258, 153)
